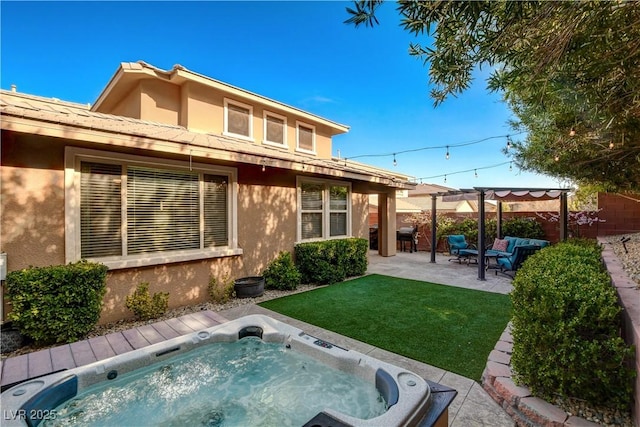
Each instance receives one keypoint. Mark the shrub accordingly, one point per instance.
(331, 261)
(220, 292)
(144, 306)
(566, 323)
(57, 303)
(527, 228)
(282, 273)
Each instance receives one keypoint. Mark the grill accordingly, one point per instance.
(408, 234)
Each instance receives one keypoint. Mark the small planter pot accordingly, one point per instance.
(249, 287)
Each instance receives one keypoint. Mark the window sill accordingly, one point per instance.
(302, 150)
(239, 136)
(116, 263)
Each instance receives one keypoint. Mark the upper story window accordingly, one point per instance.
(131, 211)
(238, 119)
(306, 138)
(324, 209)
(275, 129)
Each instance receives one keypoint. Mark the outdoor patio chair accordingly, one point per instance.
(455, 243)
(513, 262)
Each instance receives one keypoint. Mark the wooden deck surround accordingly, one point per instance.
(27, 366)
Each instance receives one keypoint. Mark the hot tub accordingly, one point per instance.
(179, 365)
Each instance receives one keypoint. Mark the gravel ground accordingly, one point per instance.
(631, 258)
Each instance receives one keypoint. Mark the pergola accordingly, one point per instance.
(500, 194)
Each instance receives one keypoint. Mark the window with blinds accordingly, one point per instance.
(338, 210)
(306, 138)
(238, 119)
(312, 210)
(100, 210)
(275, 129)
(323, 220)
(165, 210)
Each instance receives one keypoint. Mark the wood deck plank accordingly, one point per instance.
(165, 330)
(40, 363)
(62, 358)
(216, 317)
(204, 319)
(193, 322)
(135, 338)
(179, 326)
(101, 348)
(150, 334)
(118, 342)
(82, 353)
(15, 369)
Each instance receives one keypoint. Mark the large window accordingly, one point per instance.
(324, 208)
(134, 213)
(306, 138)
(275, 129)
(238, 119)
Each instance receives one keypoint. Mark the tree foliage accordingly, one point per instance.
(570, 72)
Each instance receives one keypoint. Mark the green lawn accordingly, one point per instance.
(444, 326)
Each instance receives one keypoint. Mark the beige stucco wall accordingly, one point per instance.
(130, 106)
(33, 225)
(160, 102)
(200, 108)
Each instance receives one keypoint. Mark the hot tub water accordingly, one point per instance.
(247, 382)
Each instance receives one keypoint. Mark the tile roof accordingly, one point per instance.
(78, 116)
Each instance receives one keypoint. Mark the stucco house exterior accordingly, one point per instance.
(172, 178)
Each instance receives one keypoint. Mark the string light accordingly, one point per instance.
(464, 171)
(462, 144)
(264, 166)
(475, 172)
(510, 166)
(445, 179)
(556, 158)
(395, 162)
(572, 132)
(611, 145)
(508, 143)
(446, 156)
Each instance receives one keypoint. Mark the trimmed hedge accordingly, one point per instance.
(566, 328)
(331, 261)
(526, 228)
(282, 273)
(145, 306)
(58, 303)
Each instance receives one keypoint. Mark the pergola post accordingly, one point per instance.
(564, 216)
(481, 243)
(499, 220)
(387, 224)
(434, 243)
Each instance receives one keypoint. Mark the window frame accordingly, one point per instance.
(227, 102)
(326, 208)
(284, 143)
(313, 138)
(73, 159)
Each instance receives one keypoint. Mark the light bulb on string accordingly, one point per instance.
(611, 145)
(475, 172)
(445, 179)
(556, 158)
(395, 162)
(572, 132)
(510, 166)
(508, 143)
(446, 156)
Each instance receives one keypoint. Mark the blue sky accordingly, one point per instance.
(299, 53)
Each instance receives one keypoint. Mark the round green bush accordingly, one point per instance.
(566, 328)
(282, 273)
(59, 303)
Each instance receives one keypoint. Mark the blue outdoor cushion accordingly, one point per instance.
(512, 243)
(539, 242)
(457, 241)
